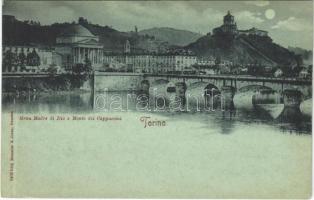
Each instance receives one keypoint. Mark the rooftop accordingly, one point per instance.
(77, 30)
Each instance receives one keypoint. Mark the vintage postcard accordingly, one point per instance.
(157, 99)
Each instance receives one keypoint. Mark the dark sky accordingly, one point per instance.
(290, 23)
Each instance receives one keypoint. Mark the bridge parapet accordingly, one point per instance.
(126, 81)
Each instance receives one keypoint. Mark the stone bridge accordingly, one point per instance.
(135, 81)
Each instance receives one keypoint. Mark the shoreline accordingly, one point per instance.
(61, 92)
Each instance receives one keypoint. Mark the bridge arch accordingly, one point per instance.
(162, 89)
(211, 90)
(199, 93)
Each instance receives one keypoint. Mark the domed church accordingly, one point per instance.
(229, 26)
(76, 43)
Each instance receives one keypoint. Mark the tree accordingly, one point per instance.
(81, 73)
(309, 69)
(87, 65)
(82, 21)
(22, 60)
(28, 57)
(7, 61)
(35, 59)
(15, 60)
(217, 60)
(52, 69)
(299, 60)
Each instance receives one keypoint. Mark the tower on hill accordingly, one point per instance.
(229, 26)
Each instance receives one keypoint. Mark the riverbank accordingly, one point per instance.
(49, 92)
(51, 84)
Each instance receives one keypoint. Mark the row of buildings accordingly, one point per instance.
(47, 56)
(151, 63)
(77, 43)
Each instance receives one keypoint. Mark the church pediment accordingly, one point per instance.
(88, 41)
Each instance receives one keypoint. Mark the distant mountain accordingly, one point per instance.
(307, 55)
(17, 32)
(243, 49)
(172, 36)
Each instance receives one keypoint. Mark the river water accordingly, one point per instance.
(243, 153)
(289, 120)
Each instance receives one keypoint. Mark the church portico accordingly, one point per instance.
(80, 53)
(76, 44)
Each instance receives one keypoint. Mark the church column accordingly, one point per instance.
(82, 56)
(79, 55)
(100, 56)
(75, 55)
(97, 56)
(92, 55)
(84, 53)
(99, 53)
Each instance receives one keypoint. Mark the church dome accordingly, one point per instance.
(77, 30)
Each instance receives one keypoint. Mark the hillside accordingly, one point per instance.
(172, 36)
(307, 55)
(243, 49)
(17, 32)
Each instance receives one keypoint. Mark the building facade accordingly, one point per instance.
(253, 31)
(152, 63)
(24, 57)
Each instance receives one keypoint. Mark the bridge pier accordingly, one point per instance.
(145, 86)
(227, 93)
(292, 98)
(180, 89)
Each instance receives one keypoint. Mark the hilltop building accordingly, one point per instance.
(253, 31)
(229, 27)
(76, 43)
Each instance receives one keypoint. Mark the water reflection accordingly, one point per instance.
(47, 103)
(225, 117)
(291, 119)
